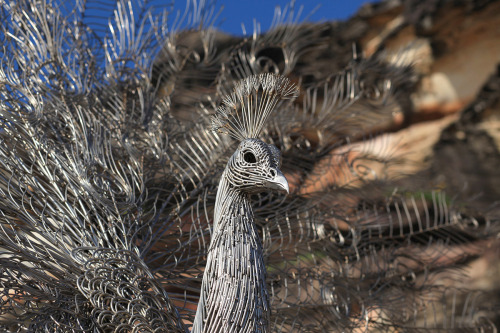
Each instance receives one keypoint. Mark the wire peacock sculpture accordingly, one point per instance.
(234, 294)
(112, 217)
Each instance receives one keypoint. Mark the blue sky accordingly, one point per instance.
(236, 12)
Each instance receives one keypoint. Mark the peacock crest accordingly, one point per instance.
(244, 112)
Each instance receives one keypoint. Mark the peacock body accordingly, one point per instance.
(112, 218)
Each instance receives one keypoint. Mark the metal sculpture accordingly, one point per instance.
(111, 216)
(234, 296)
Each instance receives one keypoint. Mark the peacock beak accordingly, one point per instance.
(278, 183)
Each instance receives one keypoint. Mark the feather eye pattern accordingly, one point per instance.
(109, 174)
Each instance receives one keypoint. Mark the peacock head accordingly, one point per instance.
(255, 167)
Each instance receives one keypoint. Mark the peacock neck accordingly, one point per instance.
(231, 203)
(234, 294)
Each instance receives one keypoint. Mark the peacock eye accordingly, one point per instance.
(249, 157)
